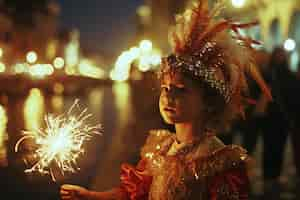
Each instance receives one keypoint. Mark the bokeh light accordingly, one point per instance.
(238, 3)
(31, 57)
(2, 67)
(289, 45)
(59, 63)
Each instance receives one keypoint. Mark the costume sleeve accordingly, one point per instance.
(230, 185)
(135, 181)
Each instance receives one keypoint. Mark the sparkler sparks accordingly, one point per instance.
(61, 141)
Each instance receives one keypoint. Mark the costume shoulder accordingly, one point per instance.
(227, 158)
(155, 141)
(226, 168)
(221, 158)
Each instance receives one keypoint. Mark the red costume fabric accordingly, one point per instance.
(225, 174)
(135, 181)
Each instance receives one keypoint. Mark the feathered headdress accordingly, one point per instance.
(212, 50)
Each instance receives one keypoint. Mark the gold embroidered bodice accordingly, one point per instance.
(187, 173)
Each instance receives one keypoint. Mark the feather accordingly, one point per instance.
(231, 52)
(260, 81)
(212, 32)
(218, 7)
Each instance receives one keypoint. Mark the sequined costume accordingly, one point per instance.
(204, 170)
(212, 52)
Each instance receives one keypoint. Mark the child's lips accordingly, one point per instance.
(169, 109)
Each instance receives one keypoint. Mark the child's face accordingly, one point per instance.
(180, 99)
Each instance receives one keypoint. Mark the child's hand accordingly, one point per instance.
(73, 192)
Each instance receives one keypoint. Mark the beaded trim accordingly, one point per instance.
(194, 65)
(189, 146)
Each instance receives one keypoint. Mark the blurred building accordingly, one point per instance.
(279, 23)
(28, 26)
(155, 17)
(278, 19)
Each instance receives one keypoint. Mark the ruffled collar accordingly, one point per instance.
(176, 148)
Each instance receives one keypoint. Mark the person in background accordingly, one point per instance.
(286, 87)
(276, 124)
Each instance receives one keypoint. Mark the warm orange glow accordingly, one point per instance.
(145, 46)
(3, 121)
(57, 102)
(146, 56)
(87, 68)
(149, 60)
(1, 52)
(238, 3)
(34, 110)
(70, 70)
(59, 63)
(95, 98)
(72, 53)
(41, 70)
(31, 57)
(20, 68)
(144, 11)
(51, 49)
(156, 59)
(58, 88)
(123, 64)
(2, 67)
(121, 91)
(3, 136)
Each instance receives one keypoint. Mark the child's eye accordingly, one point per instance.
(173, 89)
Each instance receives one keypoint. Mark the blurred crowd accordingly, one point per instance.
(274, 122)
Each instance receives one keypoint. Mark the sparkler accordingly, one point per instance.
(61, 141)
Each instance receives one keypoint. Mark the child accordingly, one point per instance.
(203, 88)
